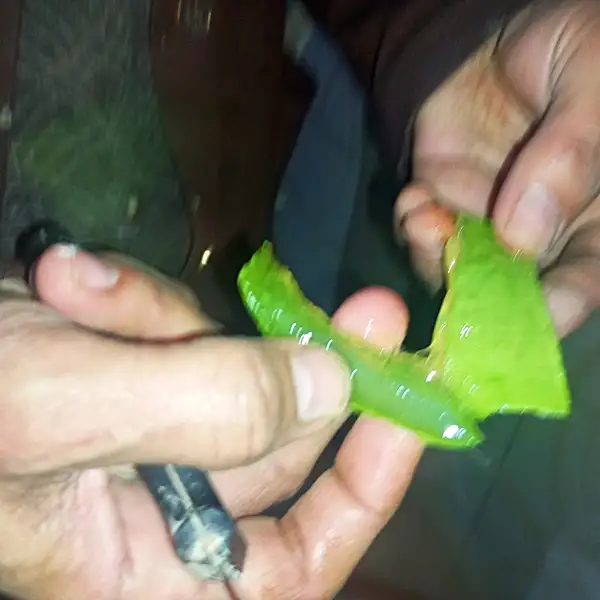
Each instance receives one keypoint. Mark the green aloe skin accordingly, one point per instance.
(474, 366)
(494, 340)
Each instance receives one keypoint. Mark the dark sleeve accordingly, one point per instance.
(402, 50)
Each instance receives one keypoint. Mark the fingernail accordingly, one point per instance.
(535, 222)
(322, 384)
(87, 270)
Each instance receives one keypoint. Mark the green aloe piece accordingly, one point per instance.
(494, 341)
(494, 348)
(395, 385)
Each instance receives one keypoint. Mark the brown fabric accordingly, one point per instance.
(10, 18)
(233, 106)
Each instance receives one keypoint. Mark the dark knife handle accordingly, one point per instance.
(204, 534)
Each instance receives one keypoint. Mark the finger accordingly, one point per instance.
(317, 544)
(320, 541)
(426, 226)
(251, 489)
(213, 403)
(572, 285)
(117, 295)
(376, 314)
(412, 199)
(459, 184)
(428, 233)
(452, 186)
(554, 177)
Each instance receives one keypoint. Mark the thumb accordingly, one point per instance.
(88, 400)
(116, 294)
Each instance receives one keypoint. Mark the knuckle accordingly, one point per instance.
(584, 242)
(575, 157)
(581, 151)
(286, 477)
(292, 579)
(263, 399)
(292, 481)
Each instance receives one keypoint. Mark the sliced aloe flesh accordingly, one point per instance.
(494, 343)
(393, 385)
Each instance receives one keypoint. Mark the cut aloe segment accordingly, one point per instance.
(393, 385)
(494, 343)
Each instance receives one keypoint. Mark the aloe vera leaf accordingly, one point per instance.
(494, 341)
(397, 386)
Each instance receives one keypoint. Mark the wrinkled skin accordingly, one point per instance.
(77, 406)
(521, 115)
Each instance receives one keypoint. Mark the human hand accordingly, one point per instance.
(77, 404)
(515, 134)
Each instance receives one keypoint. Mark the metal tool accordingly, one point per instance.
(204, 534)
